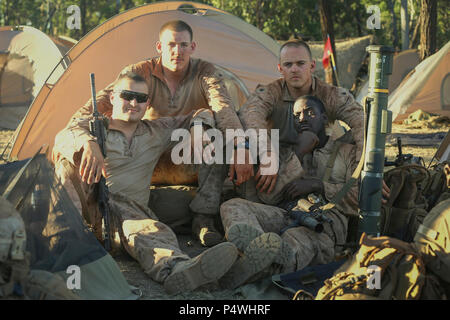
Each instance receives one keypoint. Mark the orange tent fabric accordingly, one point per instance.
(249, 55)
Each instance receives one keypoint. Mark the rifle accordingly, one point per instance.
(97, 128)
(402, 159)
(306, 214)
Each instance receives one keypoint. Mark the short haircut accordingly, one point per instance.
(131, 76)
(177, 26)
(295, 44)
(315, 101)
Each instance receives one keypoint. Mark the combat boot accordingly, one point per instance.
(204, 229)
(241, 234)
(205, 268)
(257, 257)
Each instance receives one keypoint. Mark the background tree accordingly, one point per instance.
(428, 17)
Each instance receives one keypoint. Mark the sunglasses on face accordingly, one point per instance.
(131, 95)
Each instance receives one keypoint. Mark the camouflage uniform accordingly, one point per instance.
(308, 247)
(202, 88)
(271, 106)
(129, 169)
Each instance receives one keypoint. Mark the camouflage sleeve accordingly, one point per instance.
(347, 109)
(257, 111)
(219, 100)
(164, 127)
(71, 139)
(349, 203)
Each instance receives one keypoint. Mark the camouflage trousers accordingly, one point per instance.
(290, 169)
(308, 246)
(153, 244)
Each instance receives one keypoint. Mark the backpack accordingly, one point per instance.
(399, 273)
(436, 188)
(433, 241)
(407, 205)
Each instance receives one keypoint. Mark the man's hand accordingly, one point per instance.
(386, 193)
(306, 142)
(243, 171)
(265, 182)
(92, 163)
(302, 187)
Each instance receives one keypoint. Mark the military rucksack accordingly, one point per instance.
(407, 205)
(433, 241)
(436, 188)
(399, 273)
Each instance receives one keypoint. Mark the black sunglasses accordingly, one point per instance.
(131, 95)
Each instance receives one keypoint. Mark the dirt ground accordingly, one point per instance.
(154, 291)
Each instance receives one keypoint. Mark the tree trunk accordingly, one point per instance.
(326, 23)
(415, 36)
(83, 17)
(394, 23)
(404, 16)
(428, 28)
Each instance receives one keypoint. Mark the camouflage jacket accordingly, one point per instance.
(202, 88)
(271, 107)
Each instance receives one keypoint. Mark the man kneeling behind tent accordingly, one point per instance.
(133, 147)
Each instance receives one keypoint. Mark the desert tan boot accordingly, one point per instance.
(241, 234)
(257, 257)
(204, 229)
(207, 267)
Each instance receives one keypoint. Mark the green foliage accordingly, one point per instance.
(281, 19)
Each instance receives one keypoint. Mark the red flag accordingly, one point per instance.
(327, 53)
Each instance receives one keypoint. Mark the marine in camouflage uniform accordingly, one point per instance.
(244, 220)
(133, 147)
(270, 107)
(179, 85)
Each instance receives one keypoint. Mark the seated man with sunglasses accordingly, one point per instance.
(133, 147)
(179, 85)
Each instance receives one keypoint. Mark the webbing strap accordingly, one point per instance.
(349, 184)
(427, 232)
(331, 161)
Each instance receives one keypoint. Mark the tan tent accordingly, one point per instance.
(350, 56)
(27, 58)
(404, 63)
(427, 87)
(229, 42)
(63, 43)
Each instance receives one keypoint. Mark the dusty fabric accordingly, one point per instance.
(290, 169)
(152, 243)
(309, 247)
(202, 88)
(271, 107)
(343, 167)
(129, 167)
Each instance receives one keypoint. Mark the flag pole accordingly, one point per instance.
(333, 63)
